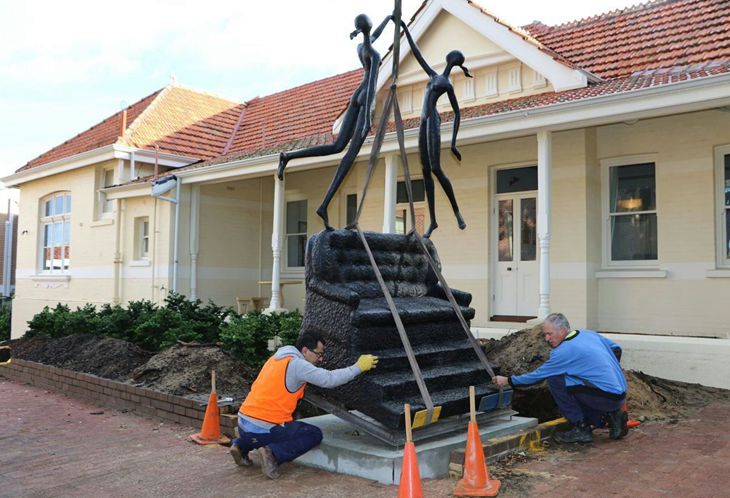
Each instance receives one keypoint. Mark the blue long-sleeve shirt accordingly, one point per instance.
(587, 360)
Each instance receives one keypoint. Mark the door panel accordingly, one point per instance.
(516, 279)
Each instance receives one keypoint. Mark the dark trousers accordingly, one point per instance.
(286, 441)
(581, 406)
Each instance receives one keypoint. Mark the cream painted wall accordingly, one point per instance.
(686, 302)
(91, 265)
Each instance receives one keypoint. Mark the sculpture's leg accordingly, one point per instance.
(343, 169)
(434, 152)
(427, 178)
(346, 130)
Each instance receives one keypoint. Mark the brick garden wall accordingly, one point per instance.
(114, 394)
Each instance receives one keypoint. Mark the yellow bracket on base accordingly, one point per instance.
(419, 419)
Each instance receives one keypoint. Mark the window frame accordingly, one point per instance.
(140, 237)
(403, 207)
(606, 166)
(285, 252)
(44, 221)
(721, 211)
(105, 207)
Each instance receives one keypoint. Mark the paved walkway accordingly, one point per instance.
(53, 445)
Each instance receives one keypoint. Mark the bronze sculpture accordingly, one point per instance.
(429, 131)
(358, 117)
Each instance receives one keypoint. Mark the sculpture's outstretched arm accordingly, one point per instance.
(417, 52)
(457, 120)
(376, 34)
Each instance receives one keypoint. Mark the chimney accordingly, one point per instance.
(124, 123)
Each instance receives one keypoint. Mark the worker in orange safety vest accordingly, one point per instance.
(267, 434)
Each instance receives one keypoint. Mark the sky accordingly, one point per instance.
(66, 65)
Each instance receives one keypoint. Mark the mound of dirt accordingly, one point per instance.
(101, 356)
(185, 370)
(649, 398)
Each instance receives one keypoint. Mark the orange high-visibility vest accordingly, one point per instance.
(269, 399)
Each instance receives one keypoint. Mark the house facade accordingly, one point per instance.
(594, 180)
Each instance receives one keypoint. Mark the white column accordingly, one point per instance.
(544, 143)
(277, 237)
(391, 189)
(194, 244)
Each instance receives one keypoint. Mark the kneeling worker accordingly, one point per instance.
(584, 377)
(268, 436)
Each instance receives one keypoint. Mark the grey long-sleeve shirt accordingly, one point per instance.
(300, 372)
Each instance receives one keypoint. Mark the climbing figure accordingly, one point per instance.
(429, 131)
(358, 117)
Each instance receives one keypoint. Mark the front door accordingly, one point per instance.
(515, 288)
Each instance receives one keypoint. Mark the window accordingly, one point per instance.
(106, 180)
(722, 170)
(402, 215)
(351, 208)
(56, 233)
(141, 238)
(296, 233)
(632, 225)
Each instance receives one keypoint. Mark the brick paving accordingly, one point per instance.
(53, 445)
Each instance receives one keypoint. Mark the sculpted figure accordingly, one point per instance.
(429, 132)
(358, 117)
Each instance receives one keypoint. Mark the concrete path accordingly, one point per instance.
(53, 445)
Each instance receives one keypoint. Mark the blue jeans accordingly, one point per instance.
(286, 441)
(581, 406)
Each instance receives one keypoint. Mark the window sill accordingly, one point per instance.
(140, 262)
(102, 222)
(632, 274)
(721, 273)
(50, 277)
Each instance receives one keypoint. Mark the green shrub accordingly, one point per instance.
(142, 322)
(247, 336)
(6, 307)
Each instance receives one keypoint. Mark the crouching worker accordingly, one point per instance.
(584, 378)
(268, 436)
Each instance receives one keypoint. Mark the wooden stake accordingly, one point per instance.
(472, 404)
(212, 381)
(409, 433)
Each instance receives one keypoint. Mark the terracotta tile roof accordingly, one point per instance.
(177, 119)
(105, 133)
(185, 122)
(659, 34)
(301, 116)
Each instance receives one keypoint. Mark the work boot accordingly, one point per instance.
(266, 460)
(580, 433)
(617, 424)
(241, 459)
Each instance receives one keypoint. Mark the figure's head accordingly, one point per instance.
(311, 345)
(456, 58)
(555, 328)
(363, 24)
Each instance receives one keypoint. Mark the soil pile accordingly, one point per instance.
(101, 356)
(185, 370)
(649, 398)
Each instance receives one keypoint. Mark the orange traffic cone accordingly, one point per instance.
(410, 479)
(210, 432)
(476, 481)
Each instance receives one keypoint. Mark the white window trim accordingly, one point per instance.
(292, 271)
(44, 220)
(101, 196)
(721, 260)
(606, 165)
(139, 258)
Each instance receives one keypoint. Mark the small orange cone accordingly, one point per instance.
(410, 478)
(210, 432)
(476, 481)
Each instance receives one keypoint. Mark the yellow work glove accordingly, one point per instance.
(366, 362)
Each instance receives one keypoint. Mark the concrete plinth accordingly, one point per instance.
(345, 449)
